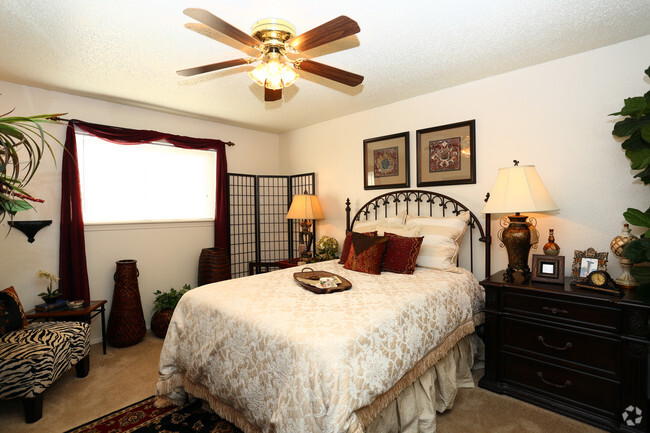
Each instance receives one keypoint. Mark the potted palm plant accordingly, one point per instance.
(163, 305)
(23, 142)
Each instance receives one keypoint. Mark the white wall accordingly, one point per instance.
(167, 254)
(554, 115)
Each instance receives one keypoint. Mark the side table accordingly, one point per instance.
(290, 263)
(86, 313)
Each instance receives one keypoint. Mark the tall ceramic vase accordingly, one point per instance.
(126, 325)
(214, 265)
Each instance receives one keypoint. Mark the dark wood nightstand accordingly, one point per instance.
(576, 352)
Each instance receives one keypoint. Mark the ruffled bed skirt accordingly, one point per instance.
(414, 409)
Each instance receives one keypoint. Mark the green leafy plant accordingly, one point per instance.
(327, 248)
(636, 127)
(169, 299)
(23, 143)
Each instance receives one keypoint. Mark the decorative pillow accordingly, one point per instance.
(345, 251)
(372, 225)
(401, 253)
(12, 316)
(366, 253)
(442, 238)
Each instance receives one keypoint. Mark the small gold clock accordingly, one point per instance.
(601, 281)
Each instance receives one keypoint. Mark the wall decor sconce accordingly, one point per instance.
(30, 228)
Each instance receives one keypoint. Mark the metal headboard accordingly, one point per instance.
(423, 203)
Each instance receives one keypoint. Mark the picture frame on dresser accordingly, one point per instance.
(386, 162)
(548, 269)
(446, 155)
(585, 262)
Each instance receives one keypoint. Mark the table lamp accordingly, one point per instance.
(518, 189)
(305, 207)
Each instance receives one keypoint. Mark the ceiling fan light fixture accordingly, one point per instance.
(273, 74)
(274, 38)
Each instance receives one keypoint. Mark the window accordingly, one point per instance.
(144, 182)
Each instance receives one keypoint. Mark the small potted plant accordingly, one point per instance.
(327, 248)
(50, 295)
(163, 305)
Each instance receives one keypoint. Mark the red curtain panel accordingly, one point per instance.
(72, 247)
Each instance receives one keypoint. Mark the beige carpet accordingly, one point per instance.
(127, 375)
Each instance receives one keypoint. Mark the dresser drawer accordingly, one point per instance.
(595, 316)
(576, 347)
(581, 389)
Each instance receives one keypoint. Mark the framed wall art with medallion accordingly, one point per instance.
(386, 162)
(446, 155)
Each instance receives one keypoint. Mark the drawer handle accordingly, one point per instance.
(568, 345)
(566, 383)
(554, 310)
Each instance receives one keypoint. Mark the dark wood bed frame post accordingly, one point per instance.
(488, 245)
(347, 214)
(488, 240)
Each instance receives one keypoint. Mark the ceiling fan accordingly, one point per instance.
(274, 39)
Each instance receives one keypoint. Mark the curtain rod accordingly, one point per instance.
(61, 119)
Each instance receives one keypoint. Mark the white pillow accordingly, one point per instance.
(376, 225)
(442, 238)
(398, 229)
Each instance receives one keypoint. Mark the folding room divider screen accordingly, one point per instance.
(259, 228)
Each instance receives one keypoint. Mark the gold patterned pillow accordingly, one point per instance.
(366, 253)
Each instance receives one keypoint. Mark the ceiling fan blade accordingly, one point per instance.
(220, 25)
(212, 67)
(272, 95)
(331, 31)
(330, 72)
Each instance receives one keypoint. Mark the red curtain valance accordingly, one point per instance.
(72, 247)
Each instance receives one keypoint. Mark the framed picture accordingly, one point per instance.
(585, 262)
(446, 155)
(386, 162)
(548, 269)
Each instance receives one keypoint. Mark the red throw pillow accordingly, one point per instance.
(366, 253)
(347, 243)
(401, 253)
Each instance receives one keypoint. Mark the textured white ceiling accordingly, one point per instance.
(127, 51)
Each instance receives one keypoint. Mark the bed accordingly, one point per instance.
(269, 356)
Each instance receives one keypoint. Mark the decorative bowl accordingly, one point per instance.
(75, 304)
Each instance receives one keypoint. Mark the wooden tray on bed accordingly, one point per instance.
(310, 274)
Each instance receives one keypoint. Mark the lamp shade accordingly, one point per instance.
(305, 207)
(519, 189)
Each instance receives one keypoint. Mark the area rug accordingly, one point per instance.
(144, 417)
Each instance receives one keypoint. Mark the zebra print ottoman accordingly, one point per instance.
(33, 357)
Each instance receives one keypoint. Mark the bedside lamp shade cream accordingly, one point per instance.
(305, 207)
(518, 189)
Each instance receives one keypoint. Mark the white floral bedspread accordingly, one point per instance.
(289, 360)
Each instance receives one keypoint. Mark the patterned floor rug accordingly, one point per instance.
(144, 417)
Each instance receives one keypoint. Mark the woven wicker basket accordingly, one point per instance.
(214, 265)
(126, 325)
